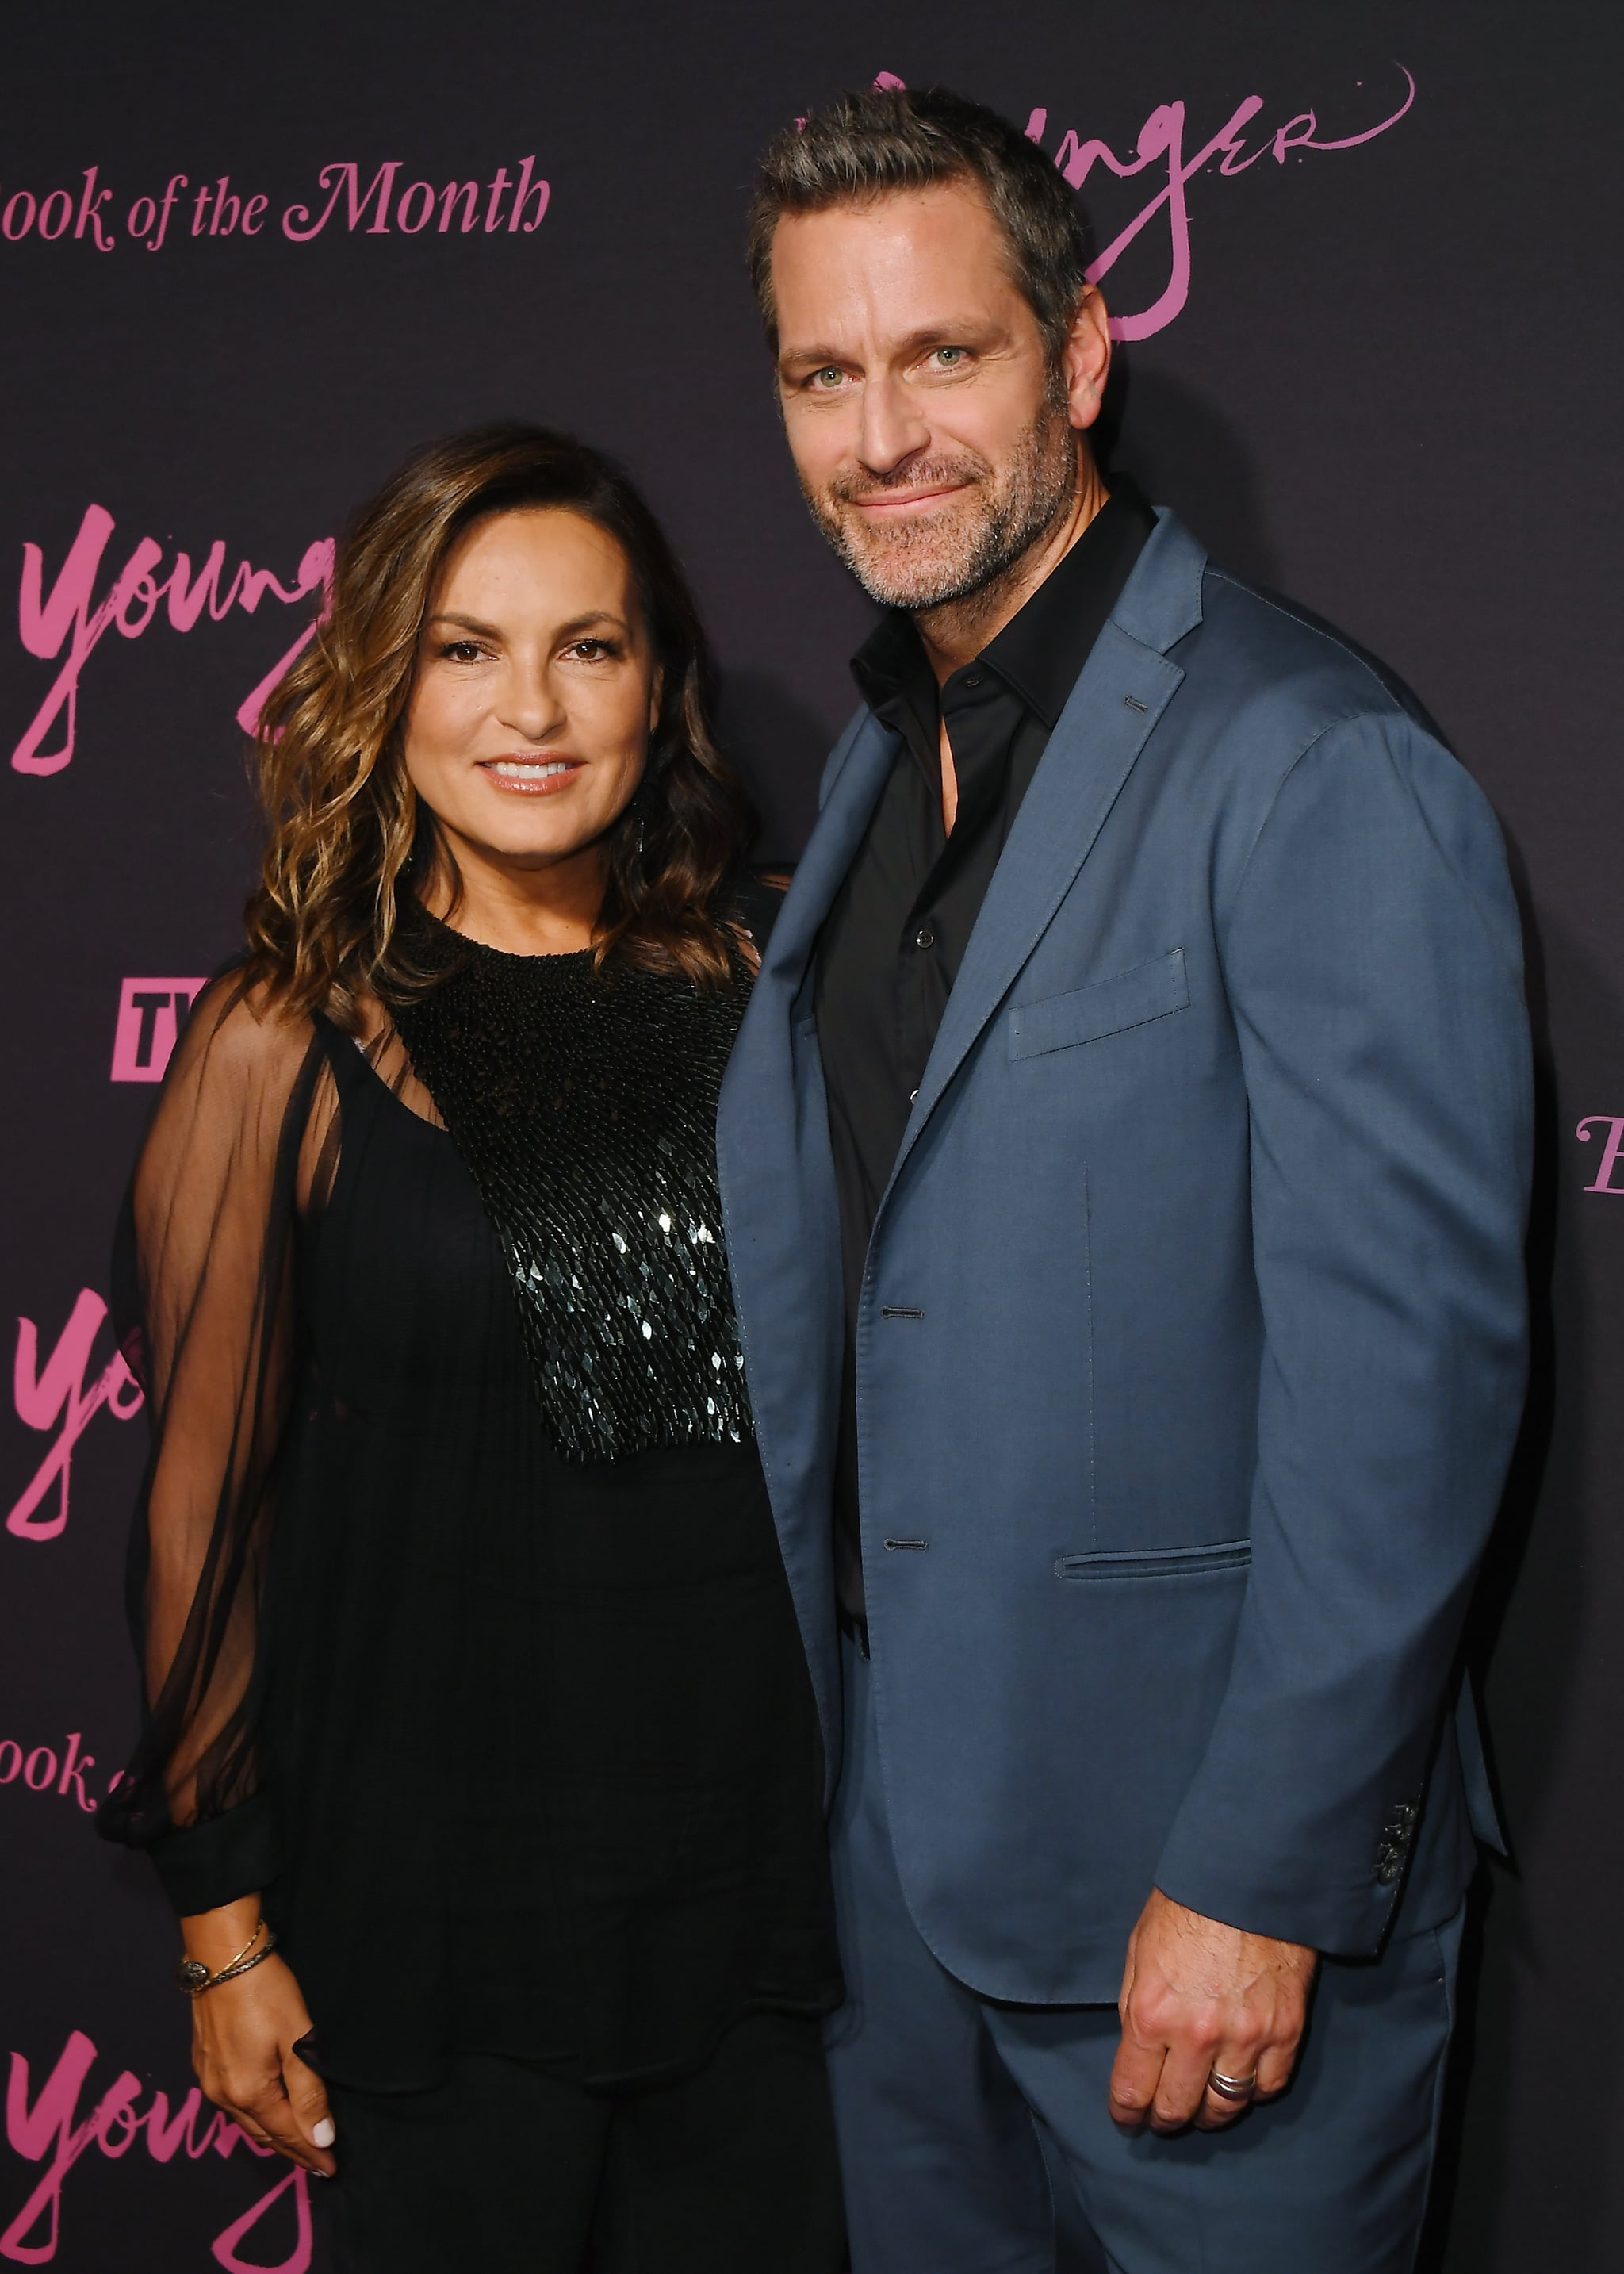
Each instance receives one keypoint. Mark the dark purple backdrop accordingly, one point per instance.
(1384, 380)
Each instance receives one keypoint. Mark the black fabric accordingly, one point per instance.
(583, 1101)
(506, 2169)
(523, 1753)
(896, 935)
(581, 1819)
(239, 1850)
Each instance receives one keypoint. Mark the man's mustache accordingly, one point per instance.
(926, 474)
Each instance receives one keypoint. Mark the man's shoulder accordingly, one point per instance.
(1284, 695)
(1254, 646)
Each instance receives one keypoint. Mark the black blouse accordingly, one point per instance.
(467, 1635)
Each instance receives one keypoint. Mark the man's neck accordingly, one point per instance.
(954, 634)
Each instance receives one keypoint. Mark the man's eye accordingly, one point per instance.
(829, 376)
(948, 358)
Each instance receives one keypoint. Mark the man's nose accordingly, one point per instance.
(893, 430)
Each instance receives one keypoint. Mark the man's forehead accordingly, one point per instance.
(912, 255)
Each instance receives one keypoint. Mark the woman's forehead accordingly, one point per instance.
(537, 558)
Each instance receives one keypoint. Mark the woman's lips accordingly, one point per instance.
(531, 776)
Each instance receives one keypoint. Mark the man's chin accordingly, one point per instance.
(906, 580)
(918, 567)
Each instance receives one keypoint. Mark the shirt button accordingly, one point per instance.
(924, 937)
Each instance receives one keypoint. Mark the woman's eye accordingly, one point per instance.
(463, 651)
(593, 651)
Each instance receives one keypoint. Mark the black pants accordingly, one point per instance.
(504, 2169)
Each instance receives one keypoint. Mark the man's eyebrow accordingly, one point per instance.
(813, 354)
(950, 332)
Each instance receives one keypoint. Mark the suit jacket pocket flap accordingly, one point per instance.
(1150, 991)
(1155, 1563)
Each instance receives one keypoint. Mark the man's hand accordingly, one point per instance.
(1197, 1997)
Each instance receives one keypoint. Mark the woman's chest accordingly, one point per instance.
(406, 1301)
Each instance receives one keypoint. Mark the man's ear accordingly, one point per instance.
(1085, 358)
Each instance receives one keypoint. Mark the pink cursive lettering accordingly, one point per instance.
(344, 180)
(218, 209)
(412, 208)
(48, 2131)
(1612, 1145)
(42, 1769)
(55, 1397)
(69, 616)
(1160, 145)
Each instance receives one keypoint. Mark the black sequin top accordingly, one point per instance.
(584, 1103)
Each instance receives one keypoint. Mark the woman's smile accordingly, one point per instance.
(537, 777)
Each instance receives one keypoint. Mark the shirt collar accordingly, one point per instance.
(1045, 644)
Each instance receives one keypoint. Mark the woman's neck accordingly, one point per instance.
(524, 910)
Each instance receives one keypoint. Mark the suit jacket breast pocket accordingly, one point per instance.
(1087, 1014)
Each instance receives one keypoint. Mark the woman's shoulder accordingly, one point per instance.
(242, 1036)
(240, 1081)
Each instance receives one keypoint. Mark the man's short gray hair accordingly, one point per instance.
(867, 146)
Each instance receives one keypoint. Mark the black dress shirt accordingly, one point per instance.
(896, 935)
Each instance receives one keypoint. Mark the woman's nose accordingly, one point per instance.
(530, 705)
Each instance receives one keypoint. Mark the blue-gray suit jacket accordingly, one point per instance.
(1191, 1337)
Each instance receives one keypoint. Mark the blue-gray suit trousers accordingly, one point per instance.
(963, 2122)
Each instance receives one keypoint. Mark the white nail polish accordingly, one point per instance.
(324, 2133)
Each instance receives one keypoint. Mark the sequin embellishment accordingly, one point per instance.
(584, 1106)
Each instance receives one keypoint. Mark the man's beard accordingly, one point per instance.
(934, 560)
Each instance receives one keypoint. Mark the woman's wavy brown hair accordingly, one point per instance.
(350, 840)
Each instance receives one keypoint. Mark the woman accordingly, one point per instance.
(481, 1760)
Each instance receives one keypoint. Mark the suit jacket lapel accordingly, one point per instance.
(1120, 694)
(764, 1176)
(855, 778)
(779, 1206)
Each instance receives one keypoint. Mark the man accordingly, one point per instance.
(1144, 1030)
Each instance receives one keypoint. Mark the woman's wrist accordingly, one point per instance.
(216, 1937)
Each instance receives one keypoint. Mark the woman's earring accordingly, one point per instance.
(641, 803)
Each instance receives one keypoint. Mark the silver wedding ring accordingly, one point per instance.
(1232, 2088)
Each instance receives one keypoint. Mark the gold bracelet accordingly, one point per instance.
(194, 1977)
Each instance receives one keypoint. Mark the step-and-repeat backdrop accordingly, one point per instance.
(1361, 260)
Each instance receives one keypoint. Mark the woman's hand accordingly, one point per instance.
(243, 2036)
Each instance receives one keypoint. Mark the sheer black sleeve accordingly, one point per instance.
(205, 1291)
